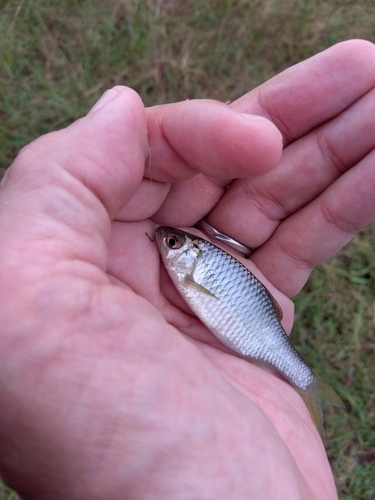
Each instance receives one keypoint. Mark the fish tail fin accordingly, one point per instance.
(316, 396)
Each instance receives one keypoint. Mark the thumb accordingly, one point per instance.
(66, 186)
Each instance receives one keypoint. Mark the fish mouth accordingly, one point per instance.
(160, 235)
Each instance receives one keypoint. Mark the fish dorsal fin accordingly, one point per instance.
(277, 307)
(198, 287)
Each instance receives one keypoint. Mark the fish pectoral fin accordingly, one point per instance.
(199, 287)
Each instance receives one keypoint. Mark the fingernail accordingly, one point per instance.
(105, 99)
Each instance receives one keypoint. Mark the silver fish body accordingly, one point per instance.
(238, 309)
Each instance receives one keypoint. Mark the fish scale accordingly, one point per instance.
(240, 311)
(242, 314)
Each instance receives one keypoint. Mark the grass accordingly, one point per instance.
(334, 330)
(57, 58)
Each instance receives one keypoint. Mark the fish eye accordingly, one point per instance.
(174, 241)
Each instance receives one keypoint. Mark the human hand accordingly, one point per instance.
(104, 398)
(321, 193)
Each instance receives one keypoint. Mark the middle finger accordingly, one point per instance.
(253, 208)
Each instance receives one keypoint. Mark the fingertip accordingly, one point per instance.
(107, 97)
(357, 47)
(110, 94)
(268, 141)
(250, 145)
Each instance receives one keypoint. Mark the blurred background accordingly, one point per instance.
(57, 57)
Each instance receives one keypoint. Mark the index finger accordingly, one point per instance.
(199, 146)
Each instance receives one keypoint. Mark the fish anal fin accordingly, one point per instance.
(199, 287)
(316, 396)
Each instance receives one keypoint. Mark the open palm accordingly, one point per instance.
(112, 388)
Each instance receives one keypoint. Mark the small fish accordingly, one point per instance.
(238, 309)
